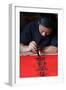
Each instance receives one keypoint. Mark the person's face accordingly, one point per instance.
(44, 31)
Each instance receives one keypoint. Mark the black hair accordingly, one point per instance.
(49, 21)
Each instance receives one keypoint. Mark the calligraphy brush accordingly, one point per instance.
(38, 51)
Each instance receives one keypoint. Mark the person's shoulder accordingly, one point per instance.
(33, 23)
(30, 24)
(30, 27)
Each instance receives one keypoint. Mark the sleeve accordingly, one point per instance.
(54, 41)
(25, 36)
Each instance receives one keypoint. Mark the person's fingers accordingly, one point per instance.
(33, 49)
(33, 46)
(34, 43)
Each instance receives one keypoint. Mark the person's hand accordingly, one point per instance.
(51, 50)
(32, 46)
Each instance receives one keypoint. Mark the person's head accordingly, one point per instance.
(47, 24)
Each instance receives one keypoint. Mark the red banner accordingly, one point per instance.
(35, 66)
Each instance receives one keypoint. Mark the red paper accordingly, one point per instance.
(33, 66)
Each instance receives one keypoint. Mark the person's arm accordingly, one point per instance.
(24, 48)
(50, 50)
(28, 49)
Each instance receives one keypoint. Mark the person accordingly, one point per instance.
(42, 34)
